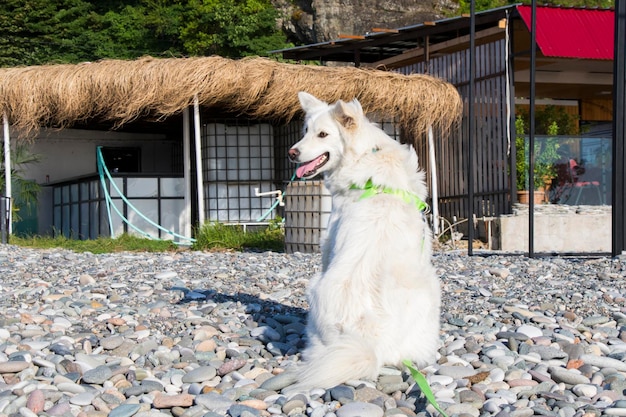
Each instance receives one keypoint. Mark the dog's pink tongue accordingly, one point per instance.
(309, 166)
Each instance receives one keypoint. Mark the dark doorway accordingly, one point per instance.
(122, 159)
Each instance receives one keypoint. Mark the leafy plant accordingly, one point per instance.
(221, 236)
(546, 154)
(550, 121)
(24, 191)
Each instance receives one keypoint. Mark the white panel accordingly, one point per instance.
(172, 217)
(255, 141)
(84, 220)
(172, 187)
(119, 182)
(244, 140)
(220, 141)
(147, 208)
(75, 223)
(142, 187)
(118, 223)
(94, 221)
(94, 189)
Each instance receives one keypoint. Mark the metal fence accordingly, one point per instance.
(492, 185)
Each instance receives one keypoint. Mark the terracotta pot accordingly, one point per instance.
(539, 197)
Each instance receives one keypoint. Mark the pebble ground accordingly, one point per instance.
(210, 334)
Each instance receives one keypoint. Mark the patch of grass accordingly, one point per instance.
(212, 236)
(101, 245)
(220, 236)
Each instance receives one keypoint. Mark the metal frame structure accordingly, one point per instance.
(398, 50)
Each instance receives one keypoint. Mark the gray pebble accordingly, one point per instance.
(359, 409)
(200, 374)
(97, 375)
(567, 376)
(342, 393)
(124, 410)
(214, 402)
(604, 362)
(504, 344)
(279, 381)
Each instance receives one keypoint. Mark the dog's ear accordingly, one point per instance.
(310, 103)
(348, 114)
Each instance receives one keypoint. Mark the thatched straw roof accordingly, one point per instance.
(122, 91)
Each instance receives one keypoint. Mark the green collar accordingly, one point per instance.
(370, 190)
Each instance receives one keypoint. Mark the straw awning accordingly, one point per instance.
(120, 91)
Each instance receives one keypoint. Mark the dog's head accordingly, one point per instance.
(326, 128)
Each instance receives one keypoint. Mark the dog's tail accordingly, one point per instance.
(328, 366)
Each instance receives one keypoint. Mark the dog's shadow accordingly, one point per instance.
(287, 322)
(279, 327)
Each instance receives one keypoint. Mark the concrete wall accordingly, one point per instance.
(567, 232)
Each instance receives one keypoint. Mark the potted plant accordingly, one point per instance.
(546, 154)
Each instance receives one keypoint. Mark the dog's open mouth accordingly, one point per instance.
(309, 169)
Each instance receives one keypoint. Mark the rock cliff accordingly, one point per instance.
(312, 21)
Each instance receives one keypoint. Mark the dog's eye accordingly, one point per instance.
(322, 134)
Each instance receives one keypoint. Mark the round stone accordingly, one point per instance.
(125, 410)
(98, 375)
(585, 390)
(360, 409)
(200, 374)
(529, 331)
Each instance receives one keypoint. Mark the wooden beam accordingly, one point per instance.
(343, 36)
(413, 55)
(384, 30)
(566, 77)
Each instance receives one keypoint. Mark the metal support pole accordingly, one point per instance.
(7, 169)
(531, 132)
(471, 132)
(619, 131)
(198, 140)
(187, 171)
(434, 194)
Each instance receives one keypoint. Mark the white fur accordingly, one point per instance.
(376, 300)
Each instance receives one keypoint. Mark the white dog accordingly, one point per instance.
(376, 301)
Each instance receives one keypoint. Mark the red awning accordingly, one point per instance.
(568, 32)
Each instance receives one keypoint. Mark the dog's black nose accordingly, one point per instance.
(293, 153)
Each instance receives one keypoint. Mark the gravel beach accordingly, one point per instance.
(210, 334)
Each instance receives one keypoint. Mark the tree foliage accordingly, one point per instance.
(231, 28)
(38, 32)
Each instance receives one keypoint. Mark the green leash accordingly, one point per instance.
(423, 384)
(370, 190)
